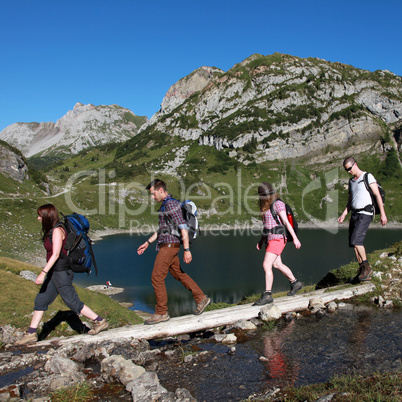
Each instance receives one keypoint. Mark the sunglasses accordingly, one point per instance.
(349, 168)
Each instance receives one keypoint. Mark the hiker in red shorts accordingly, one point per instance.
(276, 242)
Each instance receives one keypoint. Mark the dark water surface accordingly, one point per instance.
(227, 268)
(355, 339)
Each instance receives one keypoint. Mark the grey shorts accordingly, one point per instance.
(58, 283)
(358, 226)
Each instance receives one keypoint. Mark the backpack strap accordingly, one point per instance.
(280, 229)
(63, 253)
(93, 256)
(273, 212)
(163, 206)
(57, 225)
(169, 221)
(366, 183)
(369, 207)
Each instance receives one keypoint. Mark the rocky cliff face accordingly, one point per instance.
(280, 106)
(12, 164)
(80, 128)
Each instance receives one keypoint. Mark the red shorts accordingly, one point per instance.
(276, 246)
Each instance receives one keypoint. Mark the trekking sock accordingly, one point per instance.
(32, 330)
(293, 281)
(98, 318)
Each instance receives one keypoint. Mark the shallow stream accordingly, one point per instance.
(355, 339)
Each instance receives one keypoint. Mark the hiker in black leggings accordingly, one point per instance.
(56, 277)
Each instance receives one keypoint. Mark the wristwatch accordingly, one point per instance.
(186, 249)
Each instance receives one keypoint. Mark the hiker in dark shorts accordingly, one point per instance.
(56, 278)
(360, 204)
(167, 259)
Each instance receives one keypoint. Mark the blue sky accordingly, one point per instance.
(55, 53)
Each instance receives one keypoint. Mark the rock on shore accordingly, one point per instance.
(111, 290)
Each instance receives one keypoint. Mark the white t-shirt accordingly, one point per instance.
(360, 195)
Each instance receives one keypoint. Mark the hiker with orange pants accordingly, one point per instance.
(167, 260)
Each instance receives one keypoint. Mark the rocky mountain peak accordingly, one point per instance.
(251, 58)
(78, 109)
(80, 128)
(281, 107)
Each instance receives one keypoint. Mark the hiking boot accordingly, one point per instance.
(157, 318)
(356, 279)
(365, 273)
(294, 287)
(266, 298)
(98, 326)
(27, 339)
(202, 305)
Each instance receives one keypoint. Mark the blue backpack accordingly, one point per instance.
(78, 245)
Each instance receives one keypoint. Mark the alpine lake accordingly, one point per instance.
(226, 265)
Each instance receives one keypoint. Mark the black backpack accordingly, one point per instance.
(190, 212)
(80, 255)
(373, 207)
(373, 199)
(281, 229)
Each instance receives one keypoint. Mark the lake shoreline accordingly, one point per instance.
(255, 229)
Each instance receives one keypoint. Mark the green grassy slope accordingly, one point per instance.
(18, 294)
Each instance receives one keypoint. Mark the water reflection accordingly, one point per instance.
(350, 339)
(356, 339)
(359, 333)
(281, 368)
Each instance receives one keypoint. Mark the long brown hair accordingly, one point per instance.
(50, 216)
(267, 195)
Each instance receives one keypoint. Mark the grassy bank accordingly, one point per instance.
(18, 294)
(357, 388)
(387, 274)
(353, 387)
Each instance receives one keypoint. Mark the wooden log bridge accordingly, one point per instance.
(212, 319)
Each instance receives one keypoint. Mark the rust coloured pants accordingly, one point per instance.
(167, 261)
